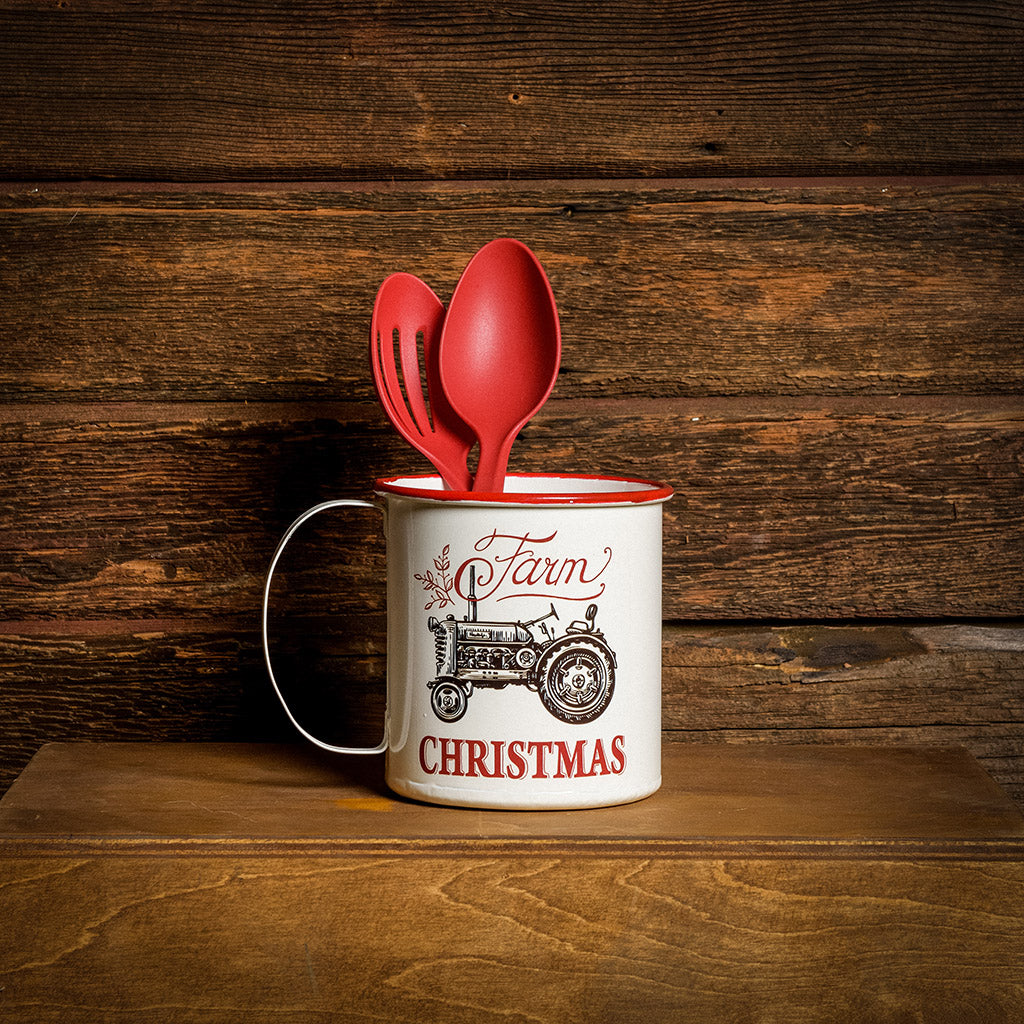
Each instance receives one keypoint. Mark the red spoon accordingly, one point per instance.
(500, 350)
(407, 305)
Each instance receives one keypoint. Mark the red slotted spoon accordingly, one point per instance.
(407, 305)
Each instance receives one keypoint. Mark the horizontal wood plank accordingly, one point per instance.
(220, 90)
(664, 290)
(788, 508)
(833, 684)
(907, 683)
(461, 939)
(199, 882)
(122, 799)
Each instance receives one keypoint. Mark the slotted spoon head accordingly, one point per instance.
(406, 307)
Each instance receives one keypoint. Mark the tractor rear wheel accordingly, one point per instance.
(576, 680)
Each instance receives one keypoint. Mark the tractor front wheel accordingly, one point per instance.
(449, 701)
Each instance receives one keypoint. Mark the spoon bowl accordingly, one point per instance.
(500, 350)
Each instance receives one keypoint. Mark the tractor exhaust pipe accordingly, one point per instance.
(471, 596)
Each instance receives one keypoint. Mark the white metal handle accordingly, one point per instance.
(289, 533)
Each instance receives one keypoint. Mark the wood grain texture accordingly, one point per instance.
(833, 684)
(633, 913)
(223, 90)
(493, 938)
(125, 798)
(828, 373)
(827, 369)
(906, 683)
(664, 289)
(785, 508)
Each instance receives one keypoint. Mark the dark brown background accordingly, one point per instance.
(786, 242)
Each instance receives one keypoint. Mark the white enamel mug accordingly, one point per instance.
(523, 640)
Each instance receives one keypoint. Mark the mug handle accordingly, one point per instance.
(289, 533)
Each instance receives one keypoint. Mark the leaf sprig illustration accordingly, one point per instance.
(440, 586)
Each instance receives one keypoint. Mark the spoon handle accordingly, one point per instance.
(492, 465)
(454, 475)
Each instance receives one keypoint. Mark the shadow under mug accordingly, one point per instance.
(523, 640)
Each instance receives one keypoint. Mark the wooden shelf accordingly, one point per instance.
(203, 881)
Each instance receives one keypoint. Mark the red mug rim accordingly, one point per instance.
(528, 489)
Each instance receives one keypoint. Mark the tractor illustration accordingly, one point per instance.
(574, 674)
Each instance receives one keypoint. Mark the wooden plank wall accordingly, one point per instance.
(786, 241)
